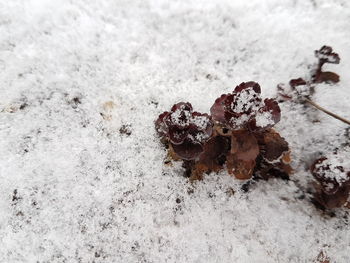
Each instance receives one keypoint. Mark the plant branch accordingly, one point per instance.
(327, 112)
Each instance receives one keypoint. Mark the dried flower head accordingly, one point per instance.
(244, 109)
(186, 130)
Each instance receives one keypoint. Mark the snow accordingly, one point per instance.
(181, 117)
(303, 90)
(76, 188)
(246, 100)
(200, 121)
(264, 119)
(241, 120)
(336, 166)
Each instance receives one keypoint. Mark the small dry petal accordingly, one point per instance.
(218, 109)
(297, 82)
(161, 127)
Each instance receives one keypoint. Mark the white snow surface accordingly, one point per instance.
(76, 77)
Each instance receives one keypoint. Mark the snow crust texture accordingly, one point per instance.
(82, 173)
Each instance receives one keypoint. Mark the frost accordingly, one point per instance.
(264, 119)
(241, 120)
(246, 101)
(329, 58)
(200, 121)
(303, 90)
(181, 117)
(337, 167)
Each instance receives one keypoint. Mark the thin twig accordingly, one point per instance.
(327, 112)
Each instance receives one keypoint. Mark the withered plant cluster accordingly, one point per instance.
(301, 89)
(237, 136)
(331, 171)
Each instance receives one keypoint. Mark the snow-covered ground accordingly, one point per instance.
(82, 177)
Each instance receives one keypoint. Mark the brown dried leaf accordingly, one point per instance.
(214, 153)
(244, 150)
(244, 145)
(280, 170)
(275, 156)
(327, 77)
(338, 199)
(240, 169)
(273, 146)
(297, 82)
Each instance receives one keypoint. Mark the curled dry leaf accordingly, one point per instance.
(297, 82)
